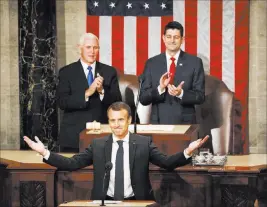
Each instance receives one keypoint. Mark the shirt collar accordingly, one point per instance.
(85, 65)
(125, 139)
(176, 56)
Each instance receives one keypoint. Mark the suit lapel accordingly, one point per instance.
(108, 149)
(81, 74)
(98, 69)
(179, 68)
(162, 64)
(132, 149)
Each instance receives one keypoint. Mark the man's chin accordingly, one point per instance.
(117, 133)
(91, 60)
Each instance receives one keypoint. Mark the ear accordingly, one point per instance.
(182, 42)
(130, 120)
(163, 38)
(79, 48)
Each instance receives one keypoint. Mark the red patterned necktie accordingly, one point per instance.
(172, 70)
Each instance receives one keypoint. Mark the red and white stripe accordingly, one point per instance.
(216, 31)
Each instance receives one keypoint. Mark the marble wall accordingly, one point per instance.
(37, 70)
(9, 95)
(258, 77)
(71, 24)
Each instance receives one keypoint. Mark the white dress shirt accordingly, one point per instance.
(128, 190)
(169, 62)
(86, 72)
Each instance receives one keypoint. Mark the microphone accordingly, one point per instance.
(141, 79)
(108, 167)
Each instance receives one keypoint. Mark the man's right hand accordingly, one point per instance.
(164, 81)
(97, 84)
(91, 90)
(37, 146)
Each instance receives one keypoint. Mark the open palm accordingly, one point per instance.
(37, 146)
(197, 144)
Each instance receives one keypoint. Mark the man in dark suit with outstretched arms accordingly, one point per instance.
(130, 155)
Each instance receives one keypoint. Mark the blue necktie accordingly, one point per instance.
(90, 78)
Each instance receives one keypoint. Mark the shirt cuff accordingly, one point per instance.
(181, 94)
(161, 91)
(101, 95)
(186, 155)
(47, 155)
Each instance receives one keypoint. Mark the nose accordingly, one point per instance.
(116, 123)
(91, 50)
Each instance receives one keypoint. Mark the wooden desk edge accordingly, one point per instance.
(76, 203)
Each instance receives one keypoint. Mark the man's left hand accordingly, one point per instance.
(99, 83)
(175, 91)
(195, 145)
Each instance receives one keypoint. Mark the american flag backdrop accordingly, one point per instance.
(130, 32)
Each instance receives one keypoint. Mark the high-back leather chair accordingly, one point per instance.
(129, 86)
(218, 116)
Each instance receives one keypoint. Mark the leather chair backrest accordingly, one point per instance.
(215, 116)
(129, 86)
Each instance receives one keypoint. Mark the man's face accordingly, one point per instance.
(89, 50)
(173, 40)
(119, 122)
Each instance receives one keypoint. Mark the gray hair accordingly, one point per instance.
(87, 35)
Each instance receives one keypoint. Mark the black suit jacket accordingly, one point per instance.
(71, 99)
(167, 109)
(141, 151)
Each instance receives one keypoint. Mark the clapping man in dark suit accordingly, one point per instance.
(85, 91)
(174, 81)
(129, 153)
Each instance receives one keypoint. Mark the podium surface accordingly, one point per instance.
(169, 139)
(124, 203)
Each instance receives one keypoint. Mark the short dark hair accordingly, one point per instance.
(174, 25)
(117, 106)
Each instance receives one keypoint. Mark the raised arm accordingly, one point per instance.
(76, 162)
(176, 160)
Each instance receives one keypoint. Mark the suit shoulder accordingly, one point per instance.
(191, 57)
(141, 138)
(100, 140)
(107, 67)
(156, 57)
(68, 68)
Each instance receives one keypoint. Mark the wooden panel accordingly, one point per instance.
(4, 187)
(172, 188)
(32, 193)
(31, 179)
(74, 185)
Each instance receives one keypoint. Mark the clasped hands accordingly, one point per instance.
(172, 89)
(97, 85)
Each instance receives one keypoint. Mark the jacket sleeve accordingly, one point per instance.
(197, 94)
(148, 94)
(164, 161)
(76, 162)
(112, 90)
(66, 97)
